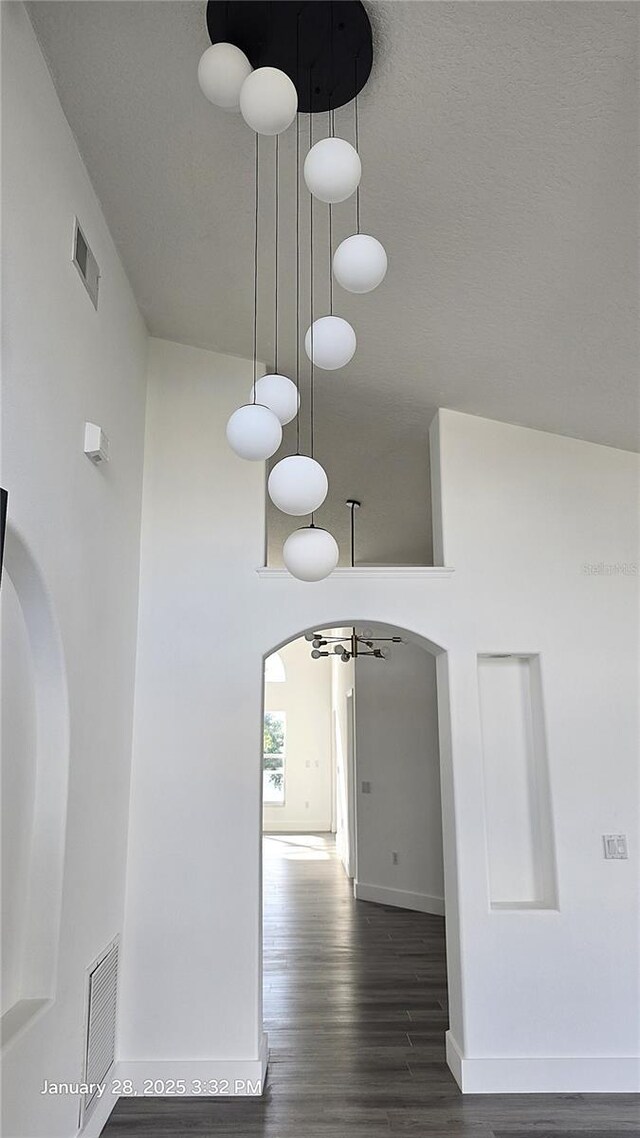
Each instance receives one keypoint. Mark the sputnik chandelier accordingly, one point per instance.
(273, 61)
(351, 647)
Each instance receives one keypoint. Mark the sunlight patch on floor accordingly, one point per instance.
(297, 847)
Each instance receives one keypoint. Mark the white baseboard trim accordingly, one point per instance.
(402, 898)
(454, 1058)
(561, 1075)
(242, 1077)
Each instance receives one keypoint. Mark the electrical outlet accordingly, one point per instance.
(615, 847)
(366, 788)
(394, 857)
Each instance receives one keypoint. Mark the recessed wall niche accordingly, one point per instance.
(35, 763)
(519, 823)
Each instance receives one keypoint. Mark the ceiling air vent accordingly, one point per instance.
(100, 1032)
(85, 262)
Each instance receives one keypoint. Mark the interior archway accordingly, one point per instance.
(439, 653)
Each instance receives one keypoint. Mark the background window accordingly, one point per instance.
(273, 757)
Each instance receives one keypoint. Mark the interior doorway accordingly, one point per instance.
(354, 929)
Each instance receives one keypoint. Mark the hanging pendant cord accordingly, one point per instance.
(277, 196)
(255, 278)
(298, 279)
(331, 129)
(357, 141)
(311, 298)
(330, 233)
(298, 238)
(353, 535)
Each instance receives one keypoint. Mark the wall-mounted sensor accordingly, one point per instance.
(96, 443)
(615, 847)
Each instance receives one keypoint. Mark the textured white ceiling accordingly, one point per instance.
(499, 146)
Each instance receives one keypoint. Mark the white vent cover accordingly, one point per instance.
(85, 263)
(100, 1037)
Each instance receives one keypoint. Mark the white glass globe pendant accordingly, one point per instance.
(334, 342)
(279, 394)
(359, 263)
(332, 170)
(222, 70)
(254, 432)
(268, 100)
(298, 485)
(310, 554)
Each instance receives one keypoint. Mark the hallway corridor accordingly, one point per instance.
(355, 1008)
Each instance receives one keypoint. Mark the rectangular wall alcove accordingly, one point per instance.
(520, 840)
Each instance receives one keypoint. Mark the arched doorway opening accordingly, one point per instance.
(365, 817)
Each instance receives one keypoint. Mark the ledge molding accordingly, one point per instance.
(377, 572)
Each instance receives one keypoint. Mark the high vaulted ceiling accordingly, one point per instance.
(499, 146)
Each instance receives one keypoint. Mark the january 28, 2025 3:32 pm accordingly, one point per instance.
(157, 1087)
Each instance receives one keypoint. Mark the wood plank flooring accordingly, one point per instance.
(355, 1006)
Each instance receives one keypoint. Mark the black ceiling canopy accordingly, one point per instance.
(324, 46)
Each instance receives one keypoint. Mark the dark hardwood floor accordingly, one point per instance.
(355, 1006)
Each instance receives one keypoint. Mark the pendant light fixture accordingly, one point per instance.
(351, 647)
(360, 261)
(222, 71)
(298, 484)
(273, 60)
(276, 391)
(311, 553)
(332, 170)
(268, 100)
(254, 432)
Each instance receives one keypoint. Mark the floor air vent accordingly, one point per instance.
(100, 1037)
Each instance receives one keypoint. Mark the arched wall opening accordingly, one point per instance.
(35, 762)
(439, 653)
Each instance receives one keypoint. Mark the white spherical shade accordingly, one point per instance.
(334, 342)
(254, 432)
(332, 170)
(310, 554)
(298, 485)
(359, 263)
(222, 70)
(268, 100)
(279, 394)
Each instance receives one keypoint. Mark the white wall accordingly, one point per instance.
(398, 755)
(305, 698)
(343, 678)
(73, 553)
(191, 976)
(522, 511)
(526, 518)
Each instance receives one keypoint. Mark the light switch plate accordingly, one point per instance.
(615, 847)
(366, 788)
